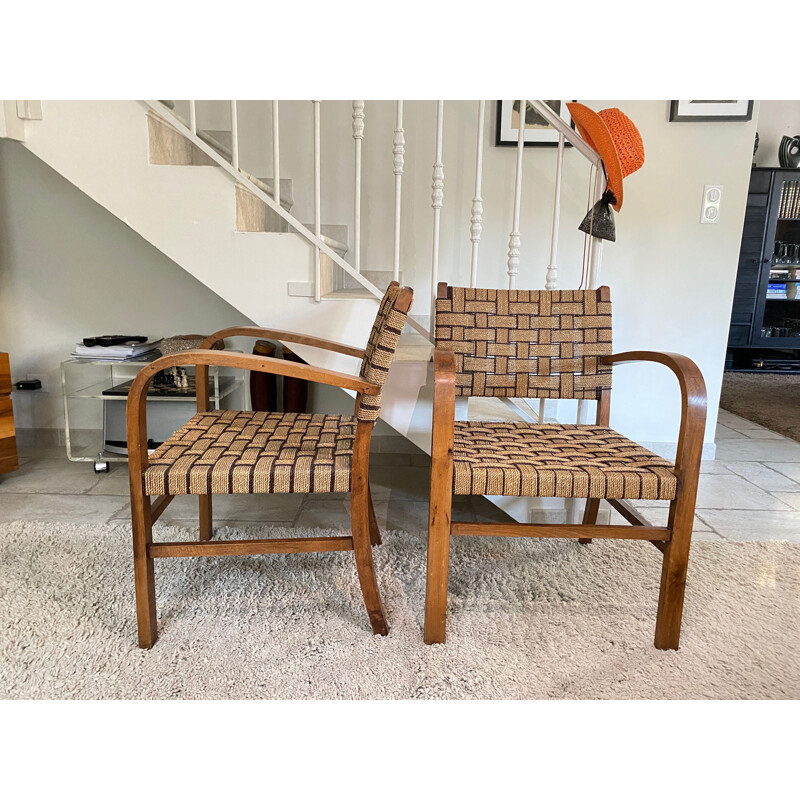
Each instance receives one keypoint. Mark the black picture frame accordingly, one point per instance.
(704, 111)
(505, 136)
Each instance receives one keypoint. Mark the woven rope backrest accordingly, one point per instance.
(515, 343)
(382, 345)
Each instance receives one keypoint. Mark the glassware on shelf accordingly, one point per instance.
(786, 253)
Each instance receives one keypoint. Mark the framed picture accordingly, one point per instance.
(710, 110)
(538, 132)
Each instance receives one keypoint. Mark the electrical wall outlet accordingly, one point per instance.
(38, 376)
(712, 197)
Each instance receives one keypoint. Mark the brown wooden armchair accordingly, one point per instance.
(552, 344)
(248, 452)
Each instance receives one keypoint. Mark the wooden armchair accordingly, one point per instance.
(552, 344)
(248, 452)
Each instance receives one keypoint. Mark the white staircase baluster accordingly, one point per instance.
(551, 281)
(476, 217)
(193, 116)
(595, 258)
(234, 135)
(595, 244)
(437, 198)
(276, 153)
(399, 150)
(358, 135)
(514, 238)
(317, 200)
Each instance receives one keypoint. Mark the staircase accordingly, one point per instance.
(182, 189)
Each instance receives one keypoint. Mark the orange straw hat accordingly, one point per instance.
(614, 137)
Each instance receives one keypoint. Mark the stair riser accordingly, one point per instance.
(168, 147)
(255, 216)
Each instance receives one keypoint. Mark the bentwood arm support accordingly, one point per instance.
(439, 513)
(681, 510)
(444, 402)
(693, 404)
(137, 396)
(283, 336)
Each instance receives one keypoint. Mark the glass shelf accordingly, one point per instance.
(98, 391)
(91, 379)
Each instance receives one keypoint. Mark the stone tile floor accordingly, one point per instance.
(751, 491)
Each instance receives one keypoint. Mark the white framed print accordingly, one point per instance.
(538, 132)
(710, 110)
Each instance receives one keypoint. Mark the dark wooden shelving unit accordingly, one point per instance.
(765, 318)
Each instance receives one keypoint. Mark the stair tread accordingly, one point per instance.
(347, 294)
(265, 184)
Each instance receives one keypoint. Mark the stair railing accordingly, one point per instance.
(592, 245)
(314, 239)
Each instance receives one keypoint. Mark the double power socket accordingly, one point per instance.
(712, 197)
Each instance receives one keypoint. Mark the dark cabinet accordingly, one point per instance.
(765, 317)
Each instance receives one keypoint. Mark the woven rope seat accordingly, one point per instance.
(254, 452)
(549, 460)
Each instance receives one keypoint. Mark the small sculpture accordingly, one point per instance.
(789, 152)
(172, 378)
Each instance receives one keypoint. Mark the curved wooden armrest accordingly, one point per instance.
(137, 396)
(444, 404)
(283, 336)
(693, 401)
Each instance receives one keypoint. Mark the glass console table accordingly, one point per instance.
(94, 389)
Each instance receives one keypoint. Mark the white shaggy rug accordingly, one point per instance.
(528, 619)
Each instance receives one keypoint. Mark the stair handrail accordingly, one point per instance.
(176, 122)
(570, 134)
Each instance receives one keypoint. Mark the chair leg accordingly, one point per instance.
(206, 518)
(144, 576)
(590, 516)
(374, 530)
(362, 546)
(673, 583)
(439, 516)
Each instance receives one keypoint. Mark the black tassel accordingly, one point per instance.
(599, 221)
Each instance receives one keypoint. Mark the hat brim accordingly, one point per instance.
(595, 133)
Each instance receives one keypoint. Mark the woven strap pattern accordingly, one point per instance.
(381, 348)
(514, 343)
(254, 452)
(523, 460)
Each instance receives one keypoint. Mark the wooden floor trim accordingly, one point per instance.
(543, 530)
(250, 547)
